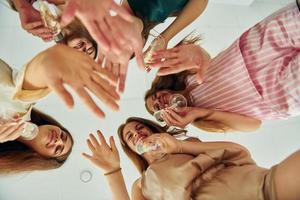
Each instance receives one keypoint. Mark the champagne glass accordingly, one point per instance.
(30, 130)
(149, 146)
(50, 15)
(158, 43)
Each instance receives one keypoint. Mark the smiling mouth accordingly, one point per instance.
(51, 138)
(140, 137)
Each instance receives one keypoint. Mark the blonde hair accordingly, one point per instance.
(20, 158)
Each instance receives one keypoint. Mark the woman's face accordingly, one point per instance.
(133, 132)
(158, 100)
(51, 141)
(84, 45)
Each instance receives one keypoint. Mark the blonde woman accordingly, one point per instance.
(191, 169)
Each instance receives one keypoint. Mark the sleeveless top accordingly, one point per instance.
(155, 11)
(185, 177)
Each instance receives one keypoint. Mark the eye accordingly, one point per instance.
(63, 136)
(90, 50)
(129, 136)
(79, 45)
(57, 150)
(139, 127)
(156, 107)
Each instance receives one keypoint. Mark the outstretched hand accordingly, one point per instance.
(105, 156)
(61, 65)
(181, 58)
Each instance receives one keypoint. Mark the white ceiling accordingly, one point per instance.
(220, 25)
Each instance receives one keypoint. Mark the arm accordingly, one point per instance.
(117, 186)
(61, 65)
(229, 121)
(190, 12)
(209, 154)
(106, 157)
(209, 120)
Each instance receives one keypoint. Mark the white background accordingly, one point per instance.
(219, 25)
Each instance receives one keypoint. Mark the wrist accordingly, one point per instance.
(113, 171)
(179, 146)
(203, 113)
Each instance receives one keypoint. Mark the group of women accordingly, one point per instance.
(257, 78)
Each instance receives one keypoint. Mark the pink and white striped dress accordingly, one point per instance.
(259, 74)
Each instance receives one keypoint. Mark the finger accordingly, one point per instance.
(69, 12)
(90, 145)
(105, 27)
(105, 84)
(108, 65)
(88, 157)
(41, 31)
(167, 54)
(100, 58)
(102, 139)
(89, 102)
(33, 25)
(116, 25)
(116, 69)
(94, 142)
(172, 69)
(113, 144)
(96, 33)
(61, 91)
(15, 133)
(7, 130)
(122, 12)
(174, 115)
(138, 51)
(202, 71)
(122, 80)
(107, 75)
(105, 96)
(168, 119)
(165, 63)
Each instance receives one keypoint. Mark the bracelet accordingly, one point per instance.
(113, 171)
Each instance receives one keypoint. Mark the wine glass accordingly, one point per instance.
(176, 101)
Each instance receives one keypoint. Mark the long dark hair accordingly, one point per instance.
(15, 157)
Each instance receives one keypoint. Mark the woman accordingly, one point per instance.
(53, 143)
(191, 169)
(49, 71)
(258, 76)
(148, 14)
(74, 35)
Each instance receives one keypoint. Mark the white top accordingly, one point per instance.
(16, 103)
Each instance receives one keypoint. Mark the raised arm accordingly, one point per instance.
(106, 157)
(207, 154)
(190, 12)
(60, 65)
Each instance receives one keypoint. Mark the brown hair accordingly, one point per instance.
(16, 157)
(176, 82)
(140, 163)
